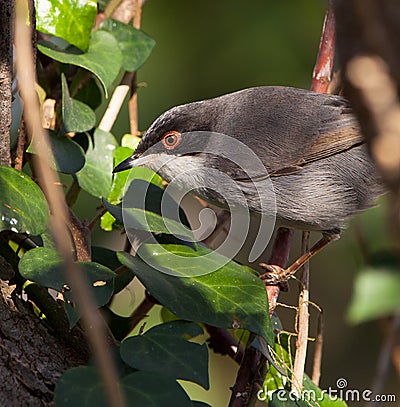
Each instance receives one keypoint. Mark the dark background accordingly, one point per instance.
(208, 48)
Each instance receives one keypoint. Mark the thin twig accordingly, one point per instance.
(222, 342)
(81, 237)
(73, 193)
(98, 216)
(94, 324)
(113, 107)
(323, 68)
(319, 341)
(142, 310)
(110, 8)
(20, 150)
(385, 355)
(303, 322)
(247, 375)
(133, 102)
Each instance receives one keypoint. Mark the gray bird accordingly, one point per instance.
(309, 143)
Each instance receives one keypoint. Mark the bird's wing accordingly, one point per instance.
(325, 145)
(297, 127)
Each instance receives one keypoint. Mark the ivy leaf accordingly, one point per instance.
(230, 297)
(139, 219)
(103, 57)
(139, 386)
(69, 19)
(163, 349)
(81, 386)
(121, 182)
(96, 176)
(69, 156)
(77, 117)
(43, 266)
(108, 258)
(23, 206)
(117, 188)
(376, 292)
(275, 388)
(135, 45)
(120, 178)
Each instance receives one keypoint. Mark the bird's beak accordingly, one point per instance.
(134, 161)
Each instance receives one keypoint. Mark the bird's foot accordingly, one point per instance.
(275, 275)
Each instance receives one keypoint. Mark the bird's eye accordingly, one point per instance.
(171, 139)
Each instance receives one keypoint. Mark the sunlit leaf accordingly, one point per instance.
(69, 19)
(230, 297)
(135, 45)
(103, 57)
(96, 176)
(43, 266)
(23, 207)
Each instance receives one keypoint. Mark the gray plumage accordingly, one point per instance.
(309, 143)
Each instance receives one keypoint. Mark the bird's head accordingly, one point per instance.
(175, 142)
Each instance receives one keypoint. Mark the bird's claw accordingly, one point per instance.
(275, 275)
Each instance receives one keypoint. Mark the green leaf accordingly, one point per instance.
(376, 293)
(131, 141)
(135, 45)
(43, 265)
(96, 176)
(69, 19)
(90, 93)
(108, 222)
(120, 178)
(77, 117)
(117, 188)
(230, 297)
(81, 386)
(163, 349)
(23, 206)
(77, 386)
(283, 398)
(139, 219)
(277, 385)
(108, 258)
(103, 58)
(68, 155)
(153, 389)
(323, 399)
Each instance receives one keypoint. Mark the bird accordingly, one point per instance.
(309, 144)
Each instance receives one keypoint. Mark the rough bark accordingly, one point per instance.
(6, 73)
(31, 358)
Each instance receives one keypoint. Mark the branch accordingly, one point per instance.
(222, 342)
(319, 340)
(323, 68)
(6, 77)
(95, 326)
(247, 378)
(279, 256)
(322, 74)
(303, 322)
(385, 357)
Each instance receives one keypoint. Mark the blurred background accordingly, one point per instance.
(208, 48)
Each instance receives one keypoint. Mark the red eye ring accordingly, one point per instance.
(171, 139)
